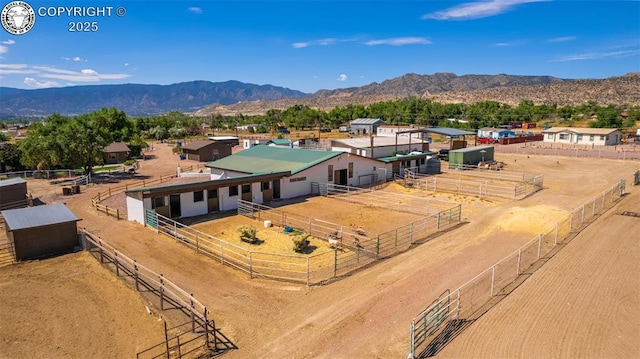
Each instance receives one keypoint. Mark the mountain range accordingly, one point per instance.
(203, 98)
(135, 99)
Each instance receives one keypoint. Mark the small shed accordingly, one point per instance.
(116, 152)
(364, 126)
(206, 150)
(280, 142)
(470, 156)
(41, 231)
(495, 133)
(13, 193)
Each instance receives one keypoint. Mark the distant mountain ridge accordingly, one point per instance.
(135, 99)
(450, 88)
(423, 85)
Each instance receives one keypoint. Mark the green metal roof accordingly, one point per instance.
(268, 159)
(280, 141)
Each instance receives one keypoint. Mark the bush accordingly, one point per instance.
(300, 242)
(248, 234)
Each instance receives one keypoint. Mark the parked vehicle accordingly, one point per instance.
(486, 140)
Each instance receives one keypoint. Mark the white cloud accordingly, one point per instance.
(476, 10)
(30, 81)
(74, 59)
(9, 42)
(502, 44)
(195, 10)
(597, 55)
(126, 64)
(320, 42)
(3, 49)
(342, 77)
(85, 75)
(399, 41)
(12, 69)
(562, 39)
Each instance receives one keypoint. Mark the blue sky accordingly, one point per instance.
(313, 45)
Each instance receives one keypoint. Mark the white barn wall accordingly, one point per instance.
(135, 210)
(189, 208)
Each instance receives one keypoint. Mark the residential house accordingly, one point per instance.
(116, 152)
(583, 136)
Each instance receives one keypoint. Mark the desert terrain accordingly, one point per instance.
(365, 315)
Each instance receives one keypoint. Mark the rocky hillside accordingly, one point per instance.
(447, 88)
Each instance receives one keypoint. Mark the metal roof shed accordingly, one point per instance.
(470, 156)
(13, 193)
(41, 231)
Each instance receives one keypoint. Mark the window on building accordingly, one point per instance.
(422, 161)
(591, 138)
(602, 138)
(212, 193)
(233, 191)
(350, 169)
(550, 136)
(579, 138)
(266, 185)
(198, 196)
(157, 202)
(563, 136)
(330, 173)
(246, 188)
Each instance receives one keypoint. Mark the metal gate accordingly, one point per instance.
(151, 218)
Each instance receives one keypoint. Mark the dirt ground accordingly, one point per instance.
(367, 314)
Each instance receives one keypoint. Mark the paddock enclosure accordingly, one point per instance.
(364, 226)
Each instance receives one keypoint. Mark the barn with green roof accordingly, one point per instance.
(258, 174)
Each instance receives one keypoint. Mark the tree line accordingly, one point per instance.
(78, 142)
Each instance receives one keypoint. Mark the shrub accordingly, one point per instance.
(248, 234)
(300, 242)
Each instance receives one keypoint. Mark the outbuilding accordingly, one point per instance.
(206, 150)
(116, 152)
(13, 193)
(470, 156)
(41, 231)
(365, 126)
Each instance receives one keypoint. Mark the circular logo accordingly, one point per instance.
(18, 17)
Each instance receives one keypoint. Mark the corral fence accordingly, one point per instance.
(478, 182)
(636, 177)
(198, 334)
(43, 174)
(356, 249)
(623, 152)
(437, 324)
(113, 190)
(7, 252)
(373, 197)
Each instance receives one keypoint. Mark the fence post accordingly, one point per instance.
(193, 316)
(571, 222)
(335, 263)
(555, 242)
(539, 244)
(493, 278)
(377, 246)
(166, 340)
(115, 261)
(221, 253)
(250, 265)
(308, 271)
(161, 292)
(135, 267)
(438, 222)
(118, 214)
(109, 191)
(519, 259)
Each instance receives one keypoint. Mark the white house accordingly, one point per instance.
(583, 136)
(382, 146)
(259, 174)
(495, 133)
(364, 126)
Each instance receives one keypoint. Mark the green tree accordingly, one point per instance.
(10, 157)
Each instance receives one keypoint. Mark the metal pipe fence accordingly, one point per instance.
(518, 186)
(354, 249)
(472, 298)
